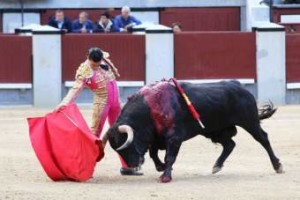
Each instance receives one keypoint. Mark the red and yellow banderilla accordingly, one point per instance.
(188, 102)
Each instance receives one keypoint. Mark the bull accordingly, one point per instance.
(157, 118)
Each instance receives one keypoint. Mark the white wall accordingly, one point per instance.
(270, 63)
(147, 16)
(290, 18)
(256, 12)
(47, 79)
(159, 56)
(11, 21)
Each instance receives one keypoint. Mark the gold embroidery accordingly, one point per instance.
(84, 71)
(98, 108)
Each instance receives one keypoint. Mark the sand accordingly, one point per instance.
(247, 173)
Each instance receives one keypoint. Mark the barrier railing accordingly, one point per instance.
(292, 58)
(203, 19)
(15, 59)
(215, 55)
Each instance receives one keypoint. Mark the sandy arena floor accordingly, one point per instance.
(247, 174)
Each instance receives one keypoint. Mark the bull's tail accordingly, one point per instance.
(266, 111)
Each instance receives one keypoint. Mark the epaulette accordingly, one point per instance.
(84, 71)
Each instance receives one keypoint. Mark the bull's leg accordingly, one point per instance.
(228, 146)
(262, 137)
(153, 151)
(224, 137)
(173, 146)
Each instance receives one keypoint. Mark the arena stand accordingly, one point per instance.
(192, 19)
(198, 57)
(203, 19)
(209, 51)
(94, 14)
(122, 54)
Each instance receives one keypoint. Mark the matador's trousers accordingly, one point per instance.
(106, 106)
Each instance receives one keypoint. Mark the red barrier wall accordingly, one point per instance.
(215, 55)
(203, 19)
(15, 59)
(126, 51)
(293, 58)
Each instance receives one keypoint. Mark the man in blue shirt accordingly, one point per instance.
(82, 24)
(60, 21)
(125, 21)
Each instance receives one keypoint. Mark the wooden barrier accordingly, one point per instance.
(215, 55)
(198, 55)
(127, 53)
(203, 19)
(292, 58)
(15, 57)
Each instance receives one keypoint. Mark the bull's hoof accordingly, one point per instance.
(165, 179)
(280, 170)
(216, 169)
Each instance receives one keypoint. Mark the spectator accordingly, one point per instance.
(177, 28)
(111, 12)
(125, 21)
(60, 21)
(105, 25)
(82, 24)
(290, 1)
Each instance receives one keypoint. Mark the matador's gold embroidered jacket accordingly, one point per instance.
(97, 82)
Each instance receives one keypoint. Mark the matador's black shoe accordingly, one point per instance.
(136, 171)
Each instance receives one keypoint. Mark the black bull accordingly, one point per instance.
(157, 117)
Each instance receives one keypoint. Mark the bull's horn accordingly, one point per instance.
(126, 129)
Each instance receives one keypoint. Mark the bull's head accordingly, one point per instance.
(121, 139)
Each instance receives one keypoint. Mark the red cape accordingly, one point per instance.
(64, 145)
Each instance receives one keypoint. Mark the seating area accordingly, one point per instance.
(191, 19)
